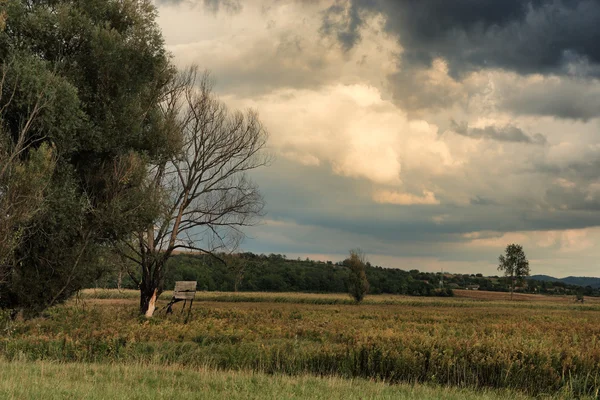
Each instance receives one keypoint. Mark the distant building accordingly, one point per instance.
(472, 287)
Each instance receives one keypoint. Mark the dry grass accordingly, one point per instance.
(383, 298)
(503, 296)
(534, 346)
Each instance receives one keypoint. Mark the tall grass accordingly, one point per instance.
(478, 345)
(50, 381)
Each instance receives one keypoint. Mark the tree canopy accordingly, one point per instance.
(96, 71)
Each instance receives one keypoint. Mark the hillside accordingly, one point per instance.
(570, 280)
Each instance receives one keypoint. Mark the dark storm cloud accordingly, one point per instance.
(297, 193)
(577, 99)
(482, 201)
(574, 198)
(585, 171)
(507, 133)
(544, 36)
(344, 21)
(572, 187)
(413, 92)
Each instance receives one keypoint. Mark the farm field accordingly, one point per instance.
(520, 297)
(462, 298)
(539, 347)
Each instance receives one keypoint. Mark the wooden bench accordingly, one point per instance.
(184, 291)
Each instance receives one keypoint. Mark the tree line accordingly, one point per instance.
(276, 273)
(249, 272)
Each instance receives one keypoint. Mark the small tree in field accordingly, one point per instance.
(358, 285)
(514, 264)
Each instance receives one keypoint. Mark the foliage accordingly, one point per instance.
(22, 186)
(358, 285)
(93, 74)
(514, 264)
(6, 323)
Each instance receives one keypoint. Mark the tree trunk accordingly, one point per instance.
(512, 288)
(145, 298)
(149, 292)
(120, 280)
(151, 287)
(238, 281)
(148, 299)
(151, 305)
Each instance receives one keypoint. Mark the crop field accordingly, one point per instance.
(545, 347)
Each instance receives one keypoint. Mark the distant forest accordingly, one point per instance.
(248, 272)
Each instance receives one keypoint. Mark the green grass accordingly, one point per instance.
(45, 380)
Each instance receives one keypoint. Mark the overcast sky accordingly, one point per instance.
(429, 133)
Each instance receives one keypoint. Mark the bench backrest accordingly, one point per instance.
(184, 290)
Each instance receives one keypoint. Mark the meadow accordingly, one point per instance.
(535, 346)
(49, 381)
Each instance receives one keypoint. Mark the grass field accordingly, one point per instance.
(463, 298)
(538, 346)
(50, 381)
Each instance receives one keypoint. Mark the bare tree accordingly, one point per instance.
(208, 197)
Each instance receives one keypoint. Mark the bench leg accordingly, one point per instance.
(187, 318)
(169, 306)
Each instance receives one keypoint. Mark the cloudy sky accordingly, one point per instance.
(429, 133)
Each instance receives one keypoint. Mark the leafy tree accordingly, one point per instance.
(358, 285)
(208, 197)
(22, 181)
(514, 264)
(100, 69)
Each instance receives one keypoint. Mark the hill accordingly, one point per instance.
(570, 280)
(545, 278)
